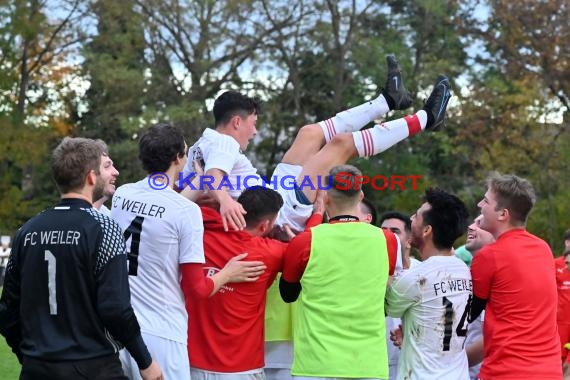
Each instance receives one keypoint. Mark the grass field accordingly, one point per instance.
(9, 366)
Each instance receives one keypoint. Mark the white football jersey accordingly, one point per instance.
(162, 230)
(394, 323)
(219, 151)
(432, 298)
(105, 210)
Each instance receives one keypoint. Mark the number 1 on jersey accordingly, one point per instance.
(50, 258)
(134, 230)
(461, 329)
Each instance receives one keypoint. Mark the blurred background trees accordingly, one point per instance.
(108, 69)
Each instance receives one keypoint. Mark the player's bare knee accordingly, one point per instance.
(342, 143)
(310, 132)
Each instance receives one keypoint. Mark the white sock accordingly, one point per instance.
(354, 119)
(377, 139)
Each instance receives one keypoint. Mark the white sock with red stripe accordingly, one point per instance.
(354, 119)
(370, 142)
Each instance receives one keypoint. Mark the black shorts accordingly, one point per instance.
(106, 367)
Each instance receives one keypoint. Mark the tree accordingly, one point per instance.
(34, 94)
(518, 91)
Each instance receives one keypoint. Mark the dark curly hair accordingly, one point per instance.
(448, 217)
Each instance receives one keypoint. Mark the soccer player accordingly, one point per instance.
(432, 297)
(316, 149)
(560, 261)
(226, 331)
(514, 281)
(164, 234)
(108, 190)
(401, 225)
(278, 335)
(279, 315)
(367, 212)
(477, 238)
(563, 315)
(65, 308)
(340, 270)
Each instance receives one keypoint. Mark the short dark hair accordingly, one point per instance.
(513, 193)
(232, 103)
(567, 235)
(342, 180)
(259, 202)
(448, 217)
(371, 210)
(159, 146)
(397, 215)
(72, 159)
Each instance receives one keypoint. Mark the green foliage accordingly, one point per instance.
(165, 60)
(21, 147)
(114, 62)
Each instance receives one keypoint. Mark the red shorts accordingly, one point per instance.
(564, 331)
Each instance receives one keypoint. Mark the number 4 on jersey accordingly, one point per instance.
(134, 230)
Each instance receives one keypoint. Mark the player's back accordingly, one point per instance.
(520, 315)
(162, 230)
(435, 326)
(59, 254)
(226, 330)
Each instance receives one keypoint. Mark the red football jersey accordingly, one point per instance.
(563, 285)
(226, 331)
(516, 277)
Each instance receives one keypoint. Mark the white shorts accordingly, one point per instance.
(332, 378)
(278, 374)
(279, 354)
(171, 356)
(293, 213)
(201, 374)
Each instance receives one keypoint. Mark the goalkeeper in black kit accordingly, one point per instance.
(65, 308)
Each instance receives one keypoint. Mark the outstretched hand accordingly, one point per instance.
(238, 270)
(282, 233)
(289, 233)
(232, 214)
(319, 205)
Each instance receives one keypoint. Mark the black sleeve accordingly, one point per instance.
(114, 296)
(10, 326)
(477, 306)
(289, 290)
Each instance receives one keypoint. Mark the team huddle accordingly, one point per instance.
(185, 282)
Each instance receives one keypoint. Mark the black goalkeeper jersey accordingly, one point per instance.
(66, 291)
